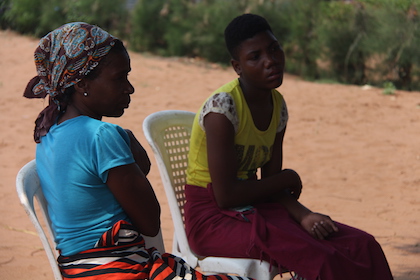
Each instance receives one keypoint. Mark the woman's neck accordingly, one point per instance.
(254, 96)
(260, 104)
(71, 112)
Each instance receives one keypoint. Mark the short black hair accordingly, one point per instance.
(241, 28)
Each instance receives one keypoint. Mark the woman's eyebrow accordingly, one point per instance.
(254, 51)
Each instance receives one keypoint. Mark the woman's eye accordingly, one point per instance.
(275, 48)
(255, 57)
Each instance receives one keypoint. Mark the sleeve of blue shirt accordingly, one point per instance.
(112, 146)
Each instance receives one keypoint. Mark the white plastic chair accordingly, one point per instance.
(168, 133)
(28, 186)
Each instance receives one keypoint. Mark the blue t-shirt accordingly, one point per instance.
(73, 161)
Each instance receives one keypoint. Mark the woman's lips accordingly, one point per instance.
(275, 76)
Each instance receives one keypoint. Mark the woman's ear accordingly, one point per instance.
(236, 66)
(81, 86)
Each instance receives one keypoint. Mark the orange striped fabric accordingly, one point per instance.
(121, 254)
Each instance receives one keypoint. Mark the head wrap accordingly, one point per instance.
(63, 57)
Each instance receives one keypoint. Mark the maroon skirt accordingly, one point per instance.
(267, 231)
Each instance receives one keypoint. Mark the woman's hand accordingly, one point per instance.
(318, 225)
(139, 153)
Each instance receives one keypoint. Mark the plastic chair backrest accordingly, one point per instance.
(28, 187)
(168, 133)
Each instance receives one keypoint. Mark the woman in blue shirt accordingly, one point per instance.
(93, 173)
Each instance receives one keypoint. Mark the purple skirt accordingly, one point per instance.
(268, 232)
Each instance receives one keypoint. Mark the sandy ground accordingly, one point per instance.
(357, 151)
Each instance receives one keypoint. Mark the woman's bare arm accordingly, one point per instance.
(318, 225)
(230, 192)
(136, 196)
(139, 153)
(276, 185)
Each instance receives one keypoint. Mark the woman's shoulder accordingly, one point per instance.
(223, 98)
(109, 129)
(97, 123)
(282, 110)
(88, 126)
(221, 103)
(228, 87)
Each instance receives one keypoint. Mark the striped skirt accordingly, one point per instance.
(121, 254)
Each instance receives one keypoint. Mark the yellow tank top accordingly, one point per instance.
(253, 146)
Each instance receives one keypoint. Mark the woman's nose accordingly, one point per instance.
(269, 60)
(130, 88)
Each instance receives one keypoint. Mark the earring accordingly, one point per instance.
(85, 94)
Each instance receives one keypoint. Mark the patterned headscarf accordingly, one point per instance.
(62, 58)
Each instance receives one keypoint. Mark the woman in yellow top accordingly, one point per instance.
(229, 211)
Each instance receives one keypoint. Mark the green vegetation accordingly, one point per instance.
(36, 17)
(389, 88)
(355, 42)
